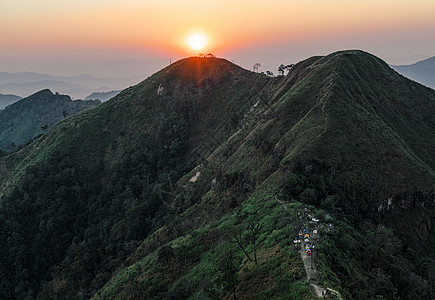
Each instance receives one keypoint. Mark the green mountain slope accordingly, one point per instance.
(127, 152)
(22, 121)
(143, 196)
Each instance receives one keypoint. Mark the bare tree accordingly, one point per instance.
(248, 236)
(256, 66)
(253, 233)
(240, 240)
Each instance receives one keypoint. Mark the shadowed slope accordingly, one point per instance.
(23, 120)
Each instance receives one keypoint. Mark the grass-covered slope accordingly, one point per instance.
(87, 192)
(190, 267)
(144, 194)
(23, 120)
(372, 128)
(364, 125)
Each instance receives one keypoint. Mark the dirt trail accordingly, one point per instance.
(312, 274)
(282, 203)
(337, 293)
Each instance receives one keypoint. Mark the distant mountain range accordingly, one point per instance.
(102, 96)
(26, 83)
(25, 119)
(422, 71)
(7, 99)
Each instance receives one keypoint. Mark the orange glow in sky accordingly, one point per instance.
(133, 28)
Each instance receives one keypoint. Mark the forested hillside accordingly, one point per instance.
(194, 183)
(23, 120)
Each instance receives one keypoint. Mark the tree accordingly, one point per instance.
(288, 67)
(64, 113)
(269, 73)
(239, 239)
(248, 236)
(427, 268)
(227, 266)
(256, 66)
(380, 284)
(281, 69)
(309, 196)
(253, 232)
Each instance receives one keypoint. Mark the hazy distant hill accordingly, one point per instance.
(422, 71)
(102, 96)
(123, 68)
(194, 183)
(21, 121)
(6, 100)
(27, 83)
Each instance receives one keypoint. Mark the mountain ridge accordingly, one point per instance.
(28, 117)
(7, 99)
(78, 86)
(422, 71)
(102, 96)
(203, 145)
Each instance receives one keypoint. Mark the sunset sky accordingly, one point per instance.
(48, 35)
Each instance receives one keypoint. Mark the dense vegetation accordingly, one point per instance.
(23, 120)
(190, 184)
(362, 257)
(86, 228)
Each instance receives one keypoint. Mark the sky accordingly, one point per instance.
(71, 37)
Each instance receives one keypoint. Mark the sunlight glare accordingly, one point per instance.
(197, 41)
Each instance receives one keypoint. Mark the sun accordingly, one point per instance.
(197, 41)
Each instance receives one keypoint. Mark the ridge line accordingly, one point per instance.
(323, 108)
